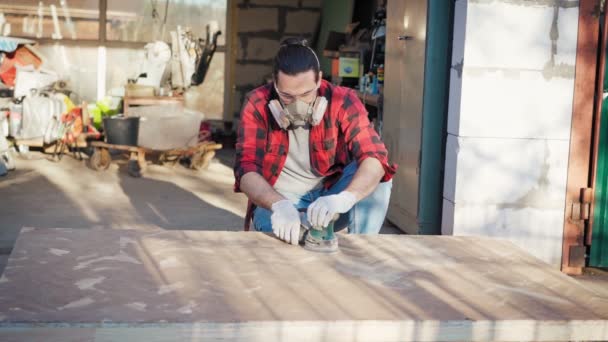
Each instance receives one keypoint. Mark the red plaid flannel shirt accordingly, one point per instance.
(345, 134)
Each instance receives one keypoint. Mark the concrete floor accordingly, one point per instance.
(596, 280)
(67, 194)
(45, 194)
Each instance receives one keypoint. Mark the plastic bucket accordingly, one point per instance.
(121, 130)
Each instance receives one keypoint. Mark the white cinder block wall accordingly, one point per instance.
(509, 115)
(261, 26)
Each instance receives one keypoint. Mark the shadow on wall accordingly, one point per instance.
(511, 188)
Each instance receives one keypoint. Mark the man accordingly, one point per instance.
(306, 145)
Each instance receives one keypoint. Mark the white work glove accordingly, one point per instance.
(285, 221)
(322, 211)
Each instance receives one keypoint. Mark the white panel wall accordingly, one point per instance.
(509, 117)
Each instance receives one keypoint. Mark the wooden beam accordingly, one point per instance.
(580, 137)
(230, 57)
(103, 17)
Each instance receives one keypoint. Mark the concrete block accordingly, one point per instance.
(512, 173)
(567, 27)
(509, 118)
(539, 231)
(258, 19)
(302, 22)
(513, 105)
(508, 188)
(312, 3)
(281, 3)
(241, 51)
(495, 36)
(251, 73)
(262, 48)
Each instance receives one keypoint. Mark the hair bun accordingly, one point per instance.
(294, 41)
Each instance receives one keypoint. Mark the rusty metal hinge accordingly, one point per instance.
(577, 256)
(581, 210)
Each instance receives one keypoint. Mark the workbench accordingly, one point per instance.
(163, 285)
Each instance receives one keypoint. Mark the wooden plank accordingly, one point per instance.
(34, 142)
(205, 146)
(120, 147)
(579, 161)
(151, 101)
(39, 142)
(154, 100)
(232, 51)
(156, 285)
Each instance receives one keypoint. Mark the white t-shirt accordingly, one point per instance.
(297, 176)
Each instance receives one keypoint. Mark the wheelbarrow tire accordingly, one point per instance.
(100, 159)
(133, 168)
(201, 160)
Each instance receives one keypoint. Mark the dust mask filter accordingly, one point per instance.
(298, 112)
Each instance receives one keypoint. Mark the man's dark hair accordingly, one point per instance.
(294, 56)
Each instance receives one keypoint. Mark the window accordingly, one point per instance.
(59, 19)
(138, 21)
(76, 47)
(148, 20)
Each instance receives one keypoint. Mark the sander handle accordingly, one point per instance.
(307, 225)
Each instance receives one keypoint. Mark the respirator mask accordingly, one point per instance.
(298, 112)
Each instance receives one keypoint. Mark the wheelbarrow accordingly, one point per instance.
(199, 156)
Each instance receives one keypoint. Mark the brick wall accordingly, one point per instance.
(261, 25)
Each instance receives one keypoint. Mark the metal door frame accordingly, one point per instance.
(597, 121)
(436, 93)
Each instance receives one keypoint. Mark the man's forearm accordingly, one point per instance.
(366, 178)
(259, 191)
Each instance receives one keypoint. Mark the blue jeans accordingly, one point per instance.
(366, 217)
